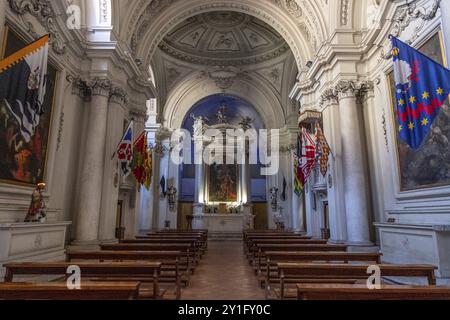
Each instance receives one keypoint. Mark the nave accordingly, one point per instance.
(184, 265)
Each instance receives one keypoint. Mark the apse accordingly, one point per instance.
(236, 109)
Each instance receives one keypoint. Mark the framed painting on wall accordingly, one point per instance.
(223, 183)
(428, 166)
(23, 162)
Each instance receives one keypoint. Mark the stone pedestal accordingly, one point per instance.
(416, 244)
(32, 242)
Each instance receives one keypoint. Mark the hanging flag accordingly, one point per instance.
(125, 151)
(148, 169)
(140, 154)
(422, 86)
(283, 194)
(304, 163)
(23, 79)
(162, 183)
(323, 150)
(298, 176)
(308, 158)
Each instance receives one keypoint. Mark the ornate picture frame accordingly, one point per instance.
(428, 167)
(21, 163)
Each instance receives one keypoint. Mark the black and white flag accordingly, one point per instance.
(23, 82)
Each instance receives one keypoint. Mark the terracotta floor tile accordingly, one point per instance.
(224, 274)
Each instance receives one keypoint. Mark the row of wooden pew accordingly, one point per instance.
(151, 266)
(294, 266)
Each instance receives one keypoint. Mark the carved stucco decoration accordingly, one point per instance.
(305, 19)
(136, 33)
(225, 77)
(407, 14)
(224, 38)
(348, 88)
(43, 11)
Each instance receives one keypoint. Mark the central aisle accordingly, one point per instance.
(224, 274)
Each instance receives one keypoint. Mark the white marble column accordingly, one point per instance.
(335, 175)
(200, 177)
(139, 115)
(111, 175)
(445, 13)
(355, 181)
(86, 231)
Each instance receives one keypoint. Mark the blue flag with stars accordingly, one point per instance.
(422, 86)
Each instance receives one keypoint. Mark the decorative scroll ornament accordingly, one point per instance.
(43, 11)
(407, 14)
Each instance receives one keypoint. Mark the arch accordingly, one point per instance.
(195, 88)
(280, 19)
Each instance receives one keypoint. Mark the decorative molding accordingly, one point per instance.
(405, 15)
(100, 87)
(43, 11)
(329, 96)
(353, 89)
(119, 96)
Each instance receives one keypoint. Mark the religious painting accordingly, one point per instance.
(429, 166)
(223, 183)
(23, 161)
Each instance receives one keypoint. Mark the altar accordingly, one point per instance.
(223, 223)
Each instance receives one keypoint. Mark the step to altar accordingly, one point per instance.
(225, 236)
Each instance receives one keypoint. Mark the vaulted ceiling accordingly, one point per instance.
(223, 38)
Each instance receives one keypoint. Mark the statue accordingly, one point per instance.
(36, 211)
(171, 194)
(274, 198)
(246, 123)
(279, 220)
(199, 125)
(221, 115)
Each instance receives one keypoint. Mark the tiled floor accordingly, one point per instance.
(224, 274)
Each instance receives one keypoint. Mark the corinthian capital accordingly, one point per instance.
(100, 87)
(119, 96)
(353, 89)
(329, 96)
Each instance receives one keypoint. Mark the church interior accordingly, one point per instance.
(224, 150)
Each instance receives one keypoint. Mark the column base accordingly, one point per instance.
(78, 245)
(109, 241)
(362, 247)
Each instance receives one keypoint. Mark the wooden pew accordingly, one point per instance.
(184, 248)
(59, 291)
(170, 264)
(203, 243)
(252, 244)
(196, 245)
(361, 292)
(251, 239)
(292, 273)
(145, 272)
(272, 258)
(259, 253)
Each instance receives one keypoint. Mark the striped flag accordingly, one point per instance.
(308, 159)
(23, 79)
(323, 150)
(304, 163)
(125, 151)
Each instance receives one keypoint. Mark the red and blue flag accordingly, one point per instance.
(422, 86)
